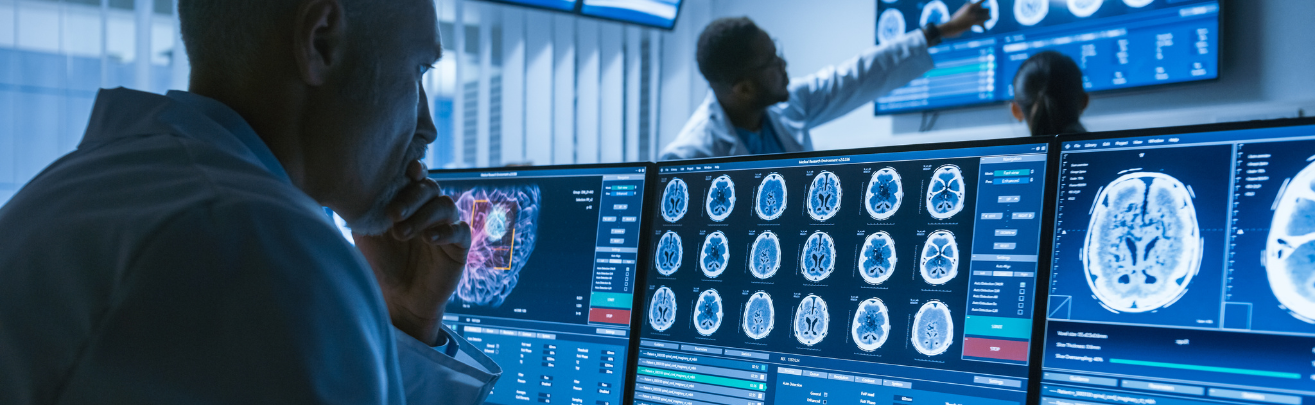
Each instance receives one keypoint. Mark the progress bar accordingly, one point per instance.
(1293, 376)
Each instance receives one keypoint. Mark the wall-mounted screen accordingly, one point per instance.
(559, 5)
(652, 13)
(1118, 43)
(549, 282)
(887, 277)
(1184, 269)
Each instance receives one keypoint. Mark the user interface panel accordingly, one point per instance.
(886, 278)
(1184, 270)
(653, 13)
(549, 280)
(1118, 44)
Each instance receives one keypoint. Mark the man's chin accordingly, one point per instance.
(375, 221)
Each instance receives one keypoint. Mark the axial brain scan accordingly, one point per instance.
(1138, 3)
(935, 12)
(1031, 12)
(502, 224)
(945, 194)
(871, 325)
(759, 316)
(765, 258)
(721, 198)
(662, 310)
(1143, 245)
(824, 196)
(933, 329)
(708, 313)
(1290, 248)
(878, 260)
(994, 6)
(1084, 8)
(811, 320)
(770, 202)
(818, 260)
(715, 254)
(940, 258)
(669, 254)
(890, 26)
(675, 200)
(884, 194)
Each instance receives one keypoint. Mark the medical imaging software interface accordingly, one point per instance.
(1184, 270)
(891, 278)
(1118, 44)
(549, 279)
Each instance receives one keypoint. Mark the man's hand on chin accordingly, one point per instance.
(419, 261)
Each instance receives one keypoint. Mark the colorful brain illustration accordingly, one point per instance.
(933, 328)
(765, 258)
(721, 198)
(759, 316)
(878, 259)
(1143, 245)
(884, 194)
(819, 257)
(503, 229)
(770, 202)
(669, 254)
(940, 258)
(715, 254)
(1290, 249)
(662, 309)
(871, 325)
(708, 313)
(811, 320)
(675, 200)
(945, 194)
(824, 196)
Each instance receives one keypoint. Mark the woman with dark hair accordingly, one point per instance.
(1049, 96)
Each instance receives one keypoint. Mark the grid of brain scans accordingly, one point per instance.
(1182, 269)
(843, 279)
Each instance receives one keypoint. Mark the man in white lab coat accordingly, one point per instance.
(181, 254)
(755, 108)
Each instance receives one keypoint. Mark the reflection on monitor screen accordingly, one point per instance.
(859, 279)
(1183, 271)
(1118, 43)
(653, 13)
(549, 280)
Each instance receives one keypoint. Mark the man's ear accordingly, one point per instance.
(1016, 110)
(318, 38)
(744, 89)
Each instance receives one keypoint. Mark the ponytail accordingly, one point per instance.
(1049, 89)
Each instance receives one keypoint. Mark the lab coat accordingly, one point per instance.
(814, 100)
(170, 259)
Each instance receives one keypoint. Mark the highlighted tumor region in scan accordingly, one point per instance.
(708, 313)
(662, 309)
(933, 329)
(503, 230)
(871, 325)
(824, 196)
(675, 200)
(721, 198)
(1143, 245)
(811, 320)
(770, 202)
(1290, 247)
(819, 257)
(884, 194)
(759, 316)
(945, 193)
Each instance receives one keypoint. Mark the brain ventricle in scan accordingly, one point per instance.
(1290, 248)
(878, 258)
(1143, 244)
(765, 258)
(945, 194)
(759, 316)
(669, 254)
(871, 325)
(721, 198)
(811, 320)
(675, 200)
(824, 196)
(708, 313)
(770, 202)
(884, 194)
(818, 259)
(662, 309)
(940, 258)
(933, 329)
(502, 223)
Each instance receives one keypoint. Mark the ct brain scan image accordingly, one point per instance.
(1138, 3)
(1290, 247)
(940, 258)
(890, 26)
(675, 200)
(502, 224)
(933, 329)
(824, 196)
(945, 193)
(708, 313)
(818, 260)
(994, 6)
(721, 198)
(662, 310)
(1031, 12)
(1084, 8)
(669, 254)
(714, 255)
(1143, 245)
(935, 12)
(759, 316)
(811, 320)
(878, 260)
(765, 259)
(769, 204)
(884, 194)
(871, 325)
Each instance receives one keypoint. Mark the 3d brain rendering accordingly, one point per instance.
(770, 201)
(765, 257)
(662, 309)
(871, 325)
(824, 196)
(503, 229)
(759, 316)
(675, 200)
(1290, 249)
(819, 257)
(884, 194)
(721, 198)
(940, 258)
(945, 193)
(708, 313)
(878, 258)
(669, 253)
(933, 329)
(811, 320)
(715, 254)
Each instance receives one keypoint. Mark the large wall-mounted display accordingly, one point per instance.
(650, 13)
(1118, 43)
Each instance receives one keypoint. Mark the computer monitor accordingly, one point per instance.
(1184, 267)
(902, 275)
(652, 13)
(549, 282)
(558, 5)
(1118, 43)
